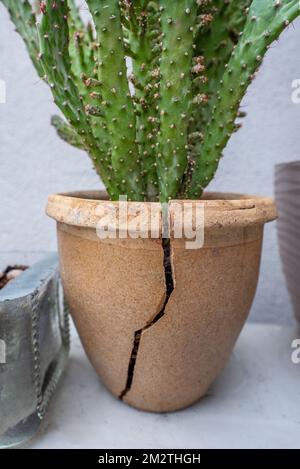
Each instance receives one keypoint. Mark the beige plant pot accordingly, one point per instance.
(159, 348)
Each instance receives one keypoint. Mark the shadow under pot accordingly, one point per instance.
(159, 318)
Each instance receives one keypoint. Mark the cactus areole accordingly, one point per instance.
(150, 89)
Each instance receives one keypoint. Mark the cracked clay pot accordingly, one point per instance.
(158, 320)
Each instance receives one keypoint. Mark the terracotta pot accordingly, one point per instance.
(159, 348)
(287, 191)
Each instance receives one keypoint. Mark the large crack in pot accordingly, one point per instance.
(169, 282)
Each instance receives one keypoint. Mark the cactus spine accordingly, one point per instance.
(265, 21)
(115, 98)
(177, 22)
(160, 132)
(24, 19)
(143, 34)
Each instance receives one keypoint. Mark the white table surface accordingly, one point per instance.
(255, 403)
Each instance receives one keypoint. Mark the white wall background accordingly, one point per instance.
(35, 163)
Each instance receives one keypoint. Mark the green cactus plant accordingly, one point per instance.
(159, 132)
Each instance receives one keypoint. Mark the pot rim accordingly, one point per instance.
(82, 208)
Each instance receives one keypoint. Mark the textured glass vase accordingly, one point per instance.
(34, 347)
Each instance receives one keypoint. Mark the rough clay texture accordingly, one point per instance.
(179, 355)
(183, 352)
(105, 316)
